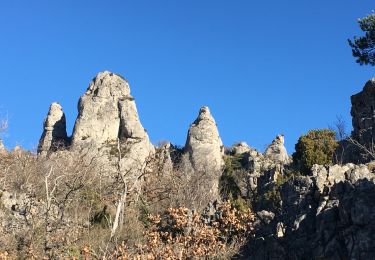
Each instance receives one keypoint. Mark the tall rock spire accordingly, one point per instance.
(54, 135)
(108, 120)
(204, 148)
(276, 151)
(203, 154)
(107, 125)
(107, 112)
(2, 147)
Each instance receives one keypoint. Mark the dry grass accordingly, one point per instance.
(65, 206)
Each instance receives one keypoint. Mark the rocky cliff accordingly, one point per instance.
(107, 130)
(359, 147)
(327, 214)
(363, 113)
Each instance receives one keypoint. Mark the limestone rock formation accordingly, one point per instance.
(276, 151)
(363, 113)
(107, 128)
(202, 158)
(54, 135)
(358, 149)
(3, 150)
(204, 149)
(108, 122)
(240, 148)
(328, 215)
(2, 147)
(167, 158)
(327, 176)
(99, 112)
(264, 168)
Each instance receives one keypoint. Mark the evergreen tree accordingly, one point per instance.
(363, 47)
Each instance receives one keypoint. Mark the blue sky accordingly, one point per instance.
(263, 67)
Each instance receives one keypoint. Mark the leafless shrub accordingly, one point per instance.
(179, 233)
(66, 206)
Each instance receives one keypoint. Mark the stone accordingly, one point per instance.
(240, 148)
(130, 125)
(265, 216)
(99, 115)
(363, 113)
(165, 158)
(54, 135)
(202, 159)
(336, 173)
(204, 149)
(280, 229)
(108, 125)
(360, 146)
(276, 151)
(320, 175)
(326, 177)
(326, 215)
(107, 130)
(2, 147)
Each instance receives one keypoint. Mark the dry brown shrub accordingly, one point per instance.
(70, 205)
(181, 234)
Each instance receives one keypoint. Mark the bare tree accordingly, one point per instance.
(339, 127)
(131, 178)
(369, 149)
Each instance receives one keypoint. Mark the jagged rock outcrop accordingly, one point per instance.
(54, 135)
(263, 168)
(240, 148)
(204, 149)
(360, 146)
(2, 147)
(203, 153)
(167, 158)
(107, 112)
(363, 114)
(327, 176)
(107, 127)
(276, 151)
(327, 215)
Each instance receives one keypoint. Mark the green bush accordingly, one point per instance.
(316, 147)
(228, 181)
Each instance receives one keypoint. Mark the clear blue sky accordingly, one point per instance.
(263, 67)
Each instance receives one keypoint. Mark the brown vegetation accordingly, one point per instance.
(66, 206)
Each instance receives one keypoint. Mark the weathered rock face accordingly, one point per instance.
(2, 147)
(240, 148)
(99, 113)
(328, 215)
(203, 153)
(54, 135)
(167, 158)
(363, 113)
(107, 127)
(204, 149)
(363, 121)
(276, 151)
(263, 168)
(108, 121)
